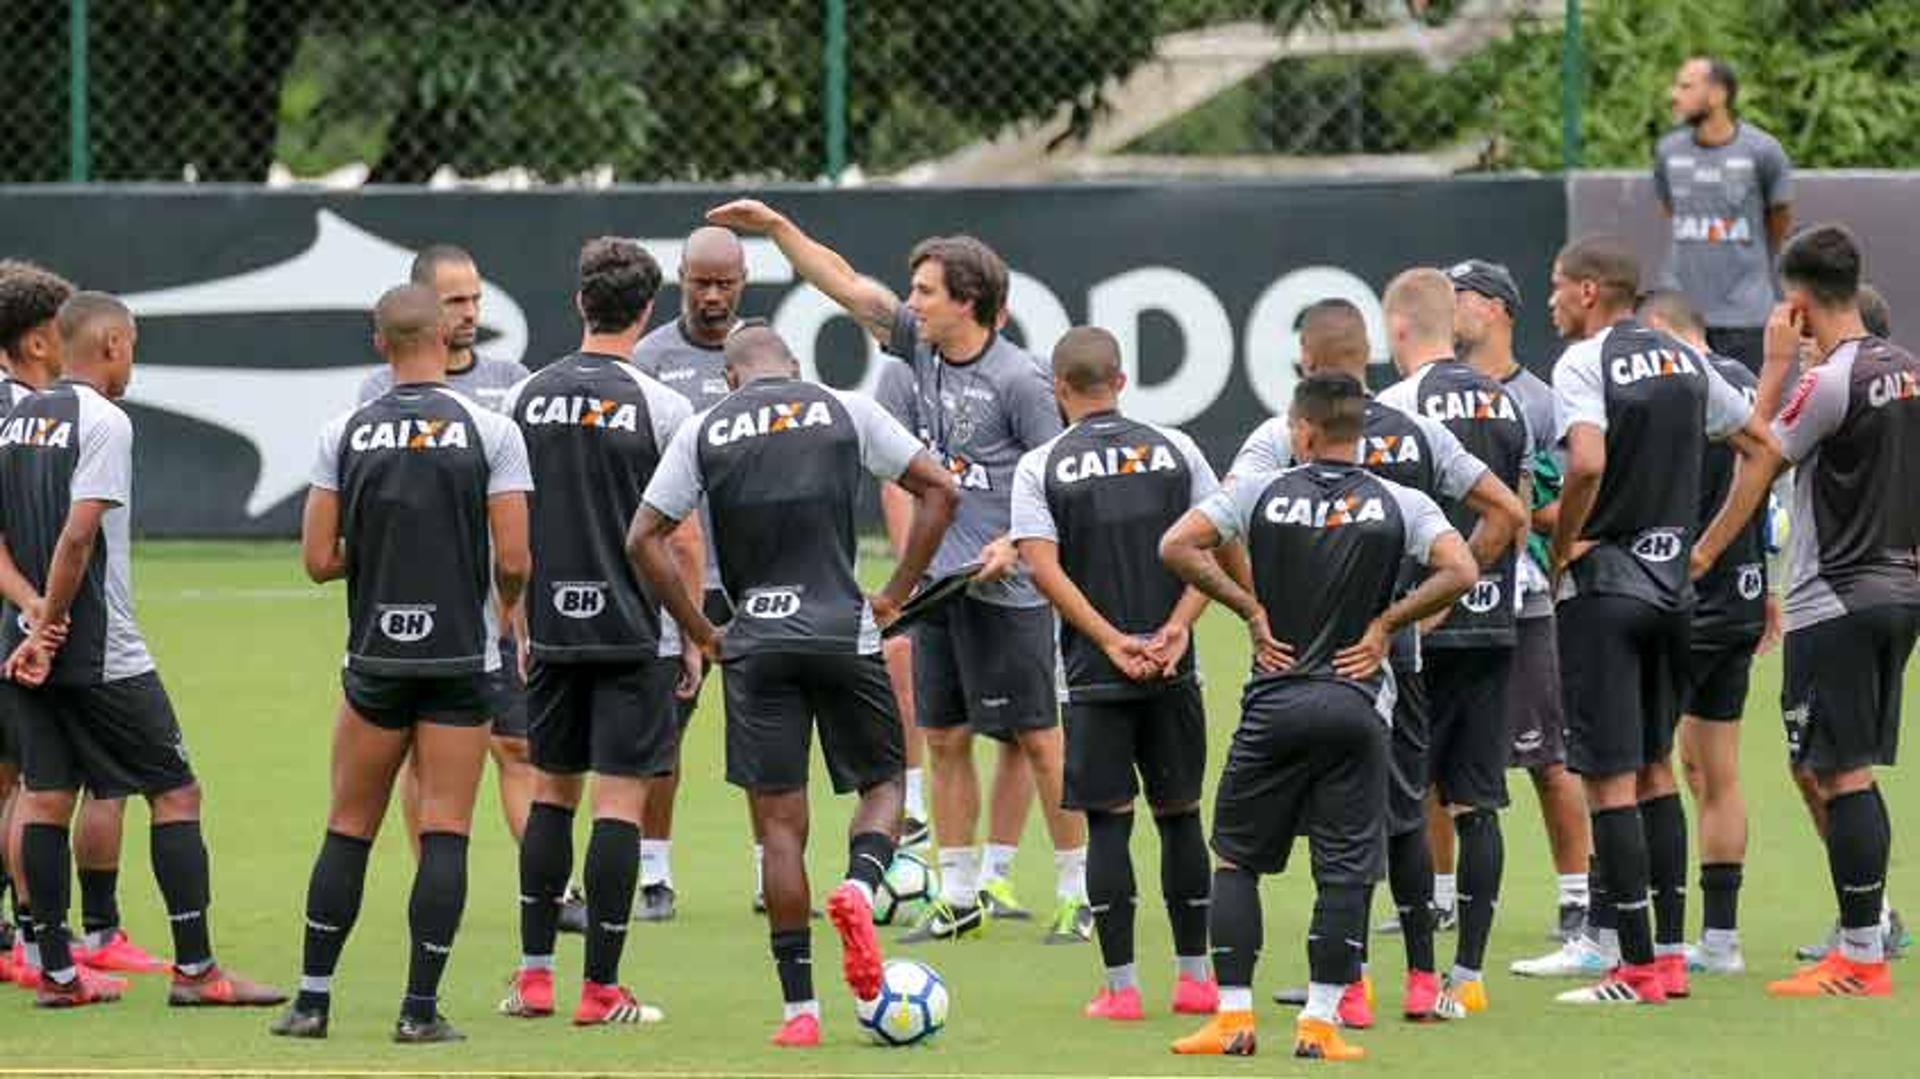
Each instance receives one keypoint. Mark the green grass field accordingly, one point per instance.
(250, 652)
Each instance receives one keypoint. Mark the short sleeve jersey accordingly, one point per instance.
(595, 429)
(979, 417)
(414, 470)
(66, 445)
(484, 381)
(1731, 605)
(1852, 429)
(1105, 490)
(781, 464)
(1656, 403)
(1720, 196)
(696, 372)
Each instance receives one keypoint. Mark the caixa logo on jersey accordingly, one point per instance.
(580, 599)
(1659, 545)
(1483, 597)
(771, 603)
(406, 625)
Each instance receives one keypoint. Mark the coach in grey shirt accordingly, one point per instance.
(1725, 186)
(451, 273)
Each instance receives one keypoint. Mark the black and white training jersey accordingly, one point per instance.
(1852, 428)
(66, 445)
(1105, 490)
(12, 392)
(1492, 425)
(1327, 541)
(1657, 404)
(484, 380)
(414, 469)
(694, 371)
(781, 464)
(595, 429)
(1731, 603)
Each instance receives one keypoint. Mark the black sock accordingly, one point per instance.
(1482, 860)
(1337, 936)
(433, 917)
(1622, 842)
(613, 870)
(1665, 822)
(1857, 847)
(868, 856)
(1600, 912)
(99, 899)
(1720, 894)
(793, 961)
(1111, 890)
(180, 867)
(49, 866)
(546, 860)
(1410, 876)
(1234, 925)
(1184, 880)
(333, 905)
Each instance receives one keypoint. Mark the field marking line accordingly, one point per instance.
(517, 1073)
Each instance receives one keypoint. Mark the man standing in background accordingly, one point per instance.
(1725, 185)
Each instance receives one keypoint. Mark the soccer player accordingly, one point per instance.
(983, 664)
(1852, 432)
(1486, 302)
(1637, 406)
(1328, 541)
(91, 708)
(781, 464)
(1414, 451)
(1734, 616)
(1089, 508)
(419, 501)
(685, 354)
(1726, 187)
(604, 671)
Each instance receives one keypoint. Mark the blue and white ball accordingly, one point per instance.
(911, 1007)
(904, 891)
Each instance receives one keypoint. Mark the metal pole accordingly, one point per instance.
(79, 158)
(835, 105)
(1573, 64)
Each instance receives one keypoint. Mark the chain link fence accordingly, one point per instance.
(528, 92)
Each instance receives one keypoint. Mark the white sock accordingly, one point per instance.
(1443, 893)
(536, 962)
(1609, 942)
(996, 861)
(960, 876)
(62, 976)
(802, 1007)
(1461, 974)
(1669, 949)
(656, 862)
(99, 937)
(194, 970)
(1192, 966)
(1573, 889)
(1126, 977)
(1070, 874)
(312, 984)
(33, 954)
(1866, 945)
(759, 869)
(1239, 998)
(1323, 1002)
(1721, 940)
(917, 793)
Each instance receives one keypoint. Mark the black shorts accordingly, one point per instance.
(1717, 680)
(1536, 723)
(1471, 739)
(774, 700)
(1748, 344)
(1622, 662)
(1309, 758)
(9, 724)
(115, 739)
(394, 703)
(507, 694)
(1841, 692)
(613, 719)
(1161, 736)
(1409, 774)
(719, 611)
(985, 665)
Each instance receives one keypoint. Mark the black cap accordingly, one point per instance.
(1489, 279)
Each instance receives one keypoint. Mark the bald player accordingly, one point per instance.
(686, 355)
(418, 501)
(93, 712)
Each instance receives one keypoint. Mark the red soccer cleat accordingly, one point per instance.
(529, 994)
(1196, 996)
(85, 987)
(800, 1032)
(1355, 1011)
(217, 988)
(1836, 976)
(1673, 975)
(603, 1005)
(122, 956)
(1120, 1004)
(852, 914)
(1423, 996)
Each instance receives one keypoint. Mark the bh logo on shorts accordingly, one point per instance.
(1751, 581)
(1484, 596)
(1658, 545)
(406, 624)
(771, 603)
(580, 599)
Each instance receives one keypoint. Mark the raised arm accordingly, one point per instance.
(821, 266)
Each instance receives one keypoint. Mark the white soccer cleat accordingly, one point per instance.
(1704, 960)
(1580, 957)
